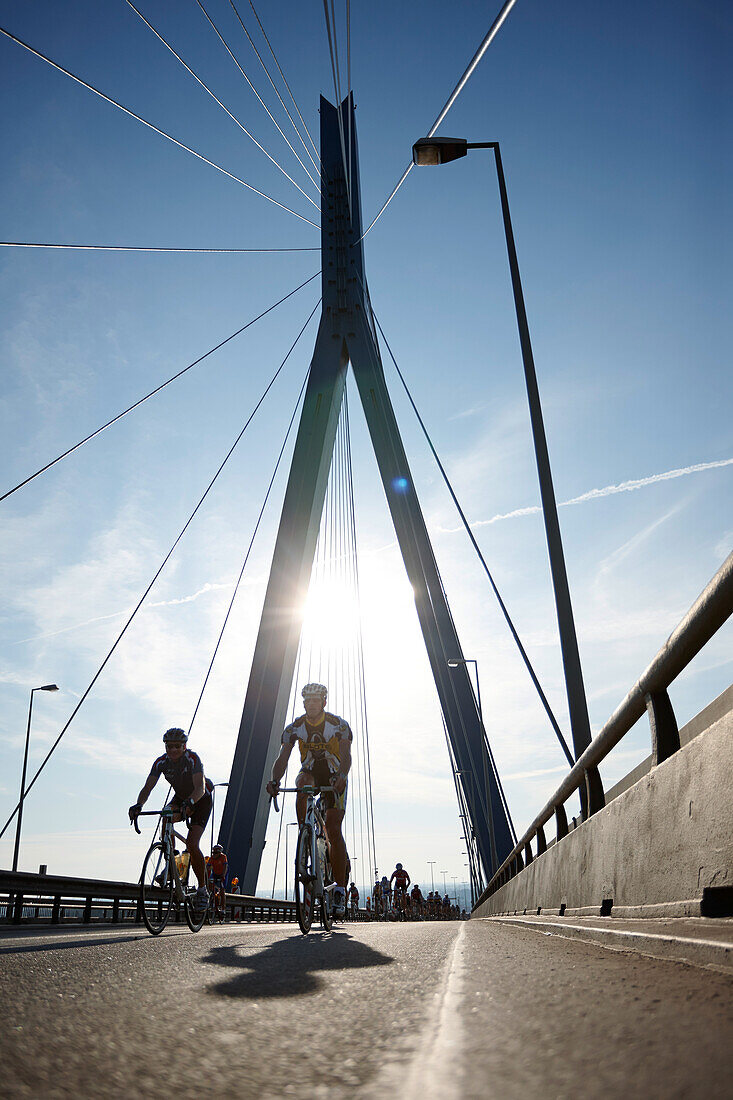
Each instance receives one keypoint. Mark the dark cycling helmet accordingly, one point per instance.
(175, 734)
(217, 848)
(398, 867)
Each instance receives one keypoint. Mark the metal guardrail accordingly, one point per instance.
(58, 899)
(709, 612)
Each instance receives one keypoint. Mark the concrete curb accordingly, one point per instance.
(696, 951)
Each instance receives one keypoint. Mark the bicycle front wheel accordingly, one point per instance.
(305, 880)
(194, 917)
(327, 897)
(156, 889)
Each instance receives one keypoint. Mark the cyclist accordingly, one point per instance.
(184, 771)
(218, 868)
(386, 894)
(324, 742)
(417, 901)
(401, 881)
(353, 900)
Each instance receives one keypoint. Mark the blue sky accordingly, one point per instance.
(613, 125)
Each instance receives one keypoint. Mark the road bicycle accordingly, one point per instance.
(314, 881)
(217, 904)
(160, 882)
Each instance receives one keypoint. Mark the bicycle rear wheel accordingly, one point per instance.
(305, 880)
(156, 889)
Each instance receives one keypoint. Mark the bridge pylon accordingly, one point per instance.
(346, 335)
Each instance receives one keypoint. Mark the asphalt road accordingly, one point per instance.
(471, 1010)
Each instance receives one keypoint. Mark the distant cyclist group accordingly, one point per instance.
(324, 744)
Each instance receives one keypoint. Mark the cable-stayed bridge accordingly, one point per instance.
(655, 848)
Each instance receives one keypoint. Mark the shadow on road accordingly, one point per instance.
(289, 967)
(67, 945)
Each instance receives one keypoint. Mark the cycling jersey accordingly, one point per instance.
(401, 879)
(218, 865)
(179, 773)
(319, 743)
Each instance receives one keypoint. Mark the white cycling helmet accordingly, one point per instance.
(315, 690)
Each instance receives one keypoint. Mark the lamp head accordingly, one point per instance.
(438, 150)
(49, 687)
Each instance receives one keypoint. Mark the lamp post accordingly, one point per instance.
(445, 888)
(432, 863)
(454, 880)
(471, 887)
(439, 150)
(46, 687)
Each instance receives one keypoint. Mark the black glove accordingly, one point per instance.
(134, 811)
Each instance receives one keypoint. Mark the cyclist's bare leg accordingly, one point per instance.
(198, 863)
(305, 779)
(336, 843)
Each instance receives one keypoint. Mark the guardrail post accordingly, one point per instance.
(18, 909)
(56, 911)
(541, 841)
(528, 857)
(595, 797)
(87, 911)
(116, 911)
(664, 731)
(561, 821)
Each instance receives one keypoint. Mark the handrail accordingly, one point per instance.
(709, 612)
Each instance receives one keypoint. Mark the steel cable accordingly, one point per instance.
(474, 543)
(226, 46)
(160, 569)
(145, 248)
(223, 106)
(152, 393)
(276, 91)
(488, 39)
(282, 74)
(151, 126)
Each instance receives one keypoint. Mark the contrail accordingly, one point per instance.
(116, 614)
(596, 494)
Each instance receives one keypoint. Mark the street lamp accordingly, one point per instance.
(456, 662)
(441, 150)
(445, 888)
(432, 863)
(46, 687)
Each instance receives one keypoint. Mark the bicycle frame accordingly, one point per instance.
(168, 835)
(314, 820)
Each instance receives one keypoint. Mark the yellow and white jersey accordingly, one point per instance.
(318, 742)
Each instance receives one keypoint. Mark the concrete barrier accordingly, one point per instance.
(664, 847)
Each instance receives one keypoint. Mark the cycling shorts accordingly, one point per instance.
(322, 778)
(200, 813)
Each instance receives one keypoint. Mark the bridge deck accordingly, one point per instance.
(474, 1009)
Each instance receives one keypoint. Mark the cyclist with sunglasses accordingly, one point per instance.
(324, 742)
(184, 771)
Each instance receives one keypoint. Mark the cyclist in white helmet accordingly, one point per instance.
(324, 741)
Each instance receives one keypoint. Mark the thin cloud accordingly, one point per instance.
(597, 494)
(118, 614)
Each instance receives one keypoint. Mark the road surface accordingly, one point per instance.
(473, 1009)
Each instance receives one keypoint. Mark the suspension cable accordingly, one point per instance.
(152, 393)
(489, 38)
(225, 44)
(224, 107)
(275, 89)
(282, 74)
(145, 248)
(151, 126)
(474, 543)
(254, 535)
(160, 569)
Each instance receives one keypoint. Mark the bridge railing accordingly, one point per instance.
(708, 613)
(58, 899)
